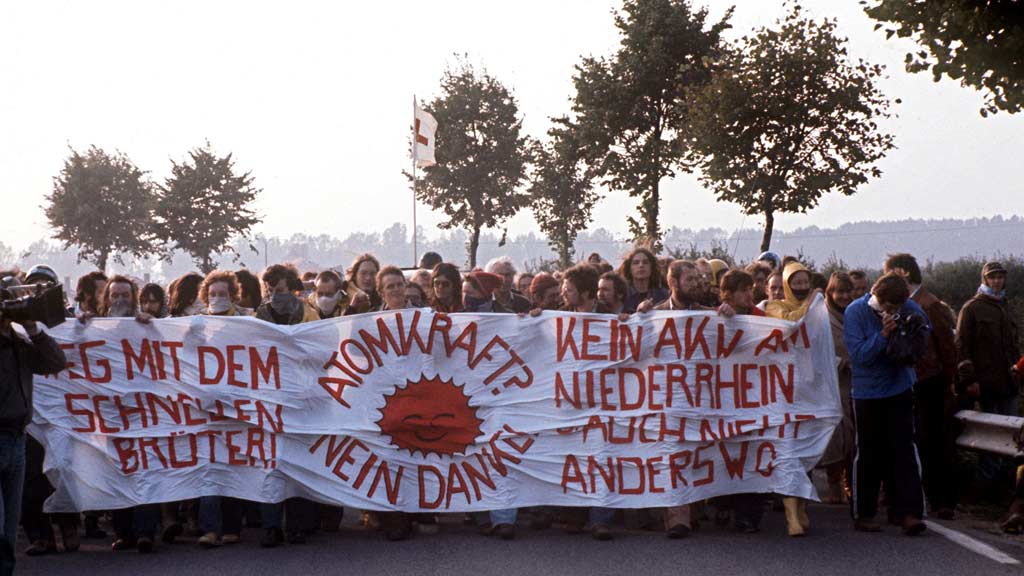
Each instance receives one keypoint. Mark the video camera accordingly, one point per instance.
(42, 302)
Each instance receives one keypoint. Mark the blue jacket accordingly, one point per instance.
(874, 375)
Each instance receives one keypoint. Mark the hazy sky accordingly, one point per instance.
(315, 99)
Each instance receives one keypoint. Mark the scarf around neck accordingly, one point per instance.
(985, 290)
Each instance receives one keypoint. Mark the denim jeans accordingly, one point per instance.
(12, 481)
(507, 516)
(220, 515)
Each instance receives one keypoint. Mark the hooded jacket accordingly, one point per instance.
(789, 308)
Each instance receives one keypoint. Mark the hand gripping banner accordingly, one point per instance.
(416, 411)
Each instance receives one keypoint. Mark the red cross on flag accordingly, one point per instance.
(424, 127)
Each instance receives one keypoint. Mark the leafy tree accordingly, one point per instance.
(978, 42)
(786, 118)
(629, 105)
(103, 204)
(204, 205)
(561, 193)
(481, 157)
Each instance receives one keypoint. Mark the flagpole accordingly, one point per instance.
(415, 256)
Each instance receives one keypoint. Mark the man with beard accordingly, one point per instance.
(134, 527)
(685, 283)
(760, 272)
(544, 292)
(612, 290)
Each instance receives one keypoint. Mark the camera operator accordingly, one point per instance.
(885, 333)
(24, 350)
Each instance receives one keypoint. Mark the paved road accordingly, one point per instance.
(832, 548)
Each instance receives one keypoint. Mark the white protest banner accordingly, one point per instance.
(416, 411)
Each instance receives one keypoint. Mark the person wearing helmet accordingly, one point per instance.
(770, 258)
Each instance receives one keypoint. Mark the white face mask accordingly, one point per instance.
(220, 304)
(875, 304)
(326, 304)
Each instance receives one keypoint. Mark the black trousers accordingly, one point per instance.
(37, 524)
(886, 452)
(933, 421)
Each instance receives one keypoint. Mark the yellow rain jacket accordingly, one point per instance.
(789, 308)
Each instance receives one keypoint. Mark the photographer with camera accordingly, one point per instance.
(25, 350)
(886, 333)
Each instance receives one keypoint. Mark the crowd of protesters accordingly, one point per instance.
(906, 362)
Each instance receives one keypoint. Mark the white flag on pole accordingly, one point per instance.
(424, 128)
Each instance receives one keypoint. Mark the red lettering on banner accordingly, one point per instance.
(141, 360)
(734, 467)
(204, 379)
(68, 399)
(765, 471)
(639, 464)
(726, 350)
(591, 339)
(420, 471)
(709, 477)
(384, 343)
(695, 338)
(564, 340)
(102, 363)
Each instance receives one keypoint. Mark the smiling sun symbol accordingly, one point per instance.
(430, 415)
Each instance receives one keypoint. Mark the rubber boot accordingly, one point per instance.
(801, 510)
(791, 506)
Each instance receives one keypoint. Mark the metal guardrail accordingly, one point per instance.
(993, 433)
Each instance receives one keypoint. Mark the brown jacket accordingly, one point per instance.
(940, 358)
(986, 334)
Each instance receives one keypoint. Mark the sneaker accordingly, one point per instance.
(913, 526)
(866, 525)
(145, 545)
(70, 537)
(601, 532)
(505, 531)
(272, 537)
(210, 540)
(231, 539)
(678, 531)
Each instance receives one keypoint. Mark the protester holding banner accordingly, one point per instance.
(391, 286)
(446, 288)
(134, 527)
(612, 290)
(220, 517)
(796, 286)
(478, 289)
(505, 295)
(88, 291)
(183, 295)
(640, 269)
(363, 275)
(884, 404)
(545, 292)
